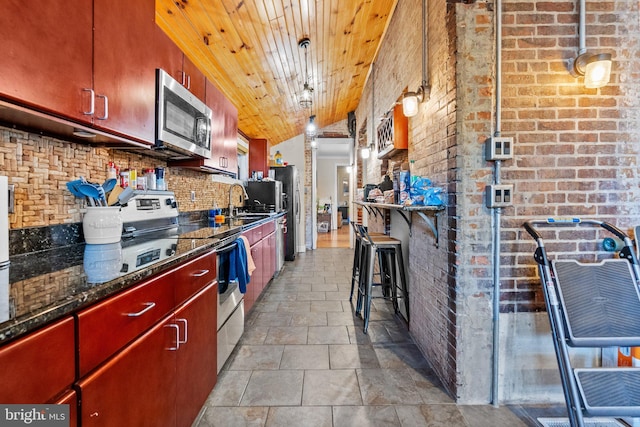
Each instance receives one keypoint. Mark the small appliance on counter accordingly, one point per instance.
(264, 196)
(149, 211)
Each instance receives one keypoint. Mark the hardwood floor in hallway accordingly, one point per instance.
(303, 360)
(338, 238)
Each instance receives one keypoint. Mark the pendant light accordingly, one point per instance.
(306, 97)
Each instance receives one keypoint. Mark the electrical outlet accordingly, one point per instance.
(498, 148)
(193, 196)
(499, 196)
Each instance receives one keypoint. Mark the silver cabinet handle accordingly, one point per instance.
(92, 109)
(186, 327)
(189, 82)
(177, 328)
(149, 306)
(200, 273)
(105, 116)
(183, 77)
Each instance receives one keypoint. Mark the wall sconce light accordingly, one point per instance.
(311, 126)
(595, 68)
(365, 152)
(314, 143)
(410, 101)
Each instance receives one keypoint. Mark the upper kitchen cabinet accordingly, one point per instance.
(46, 50)
(393, 133)
(259, 156)
(127, 50)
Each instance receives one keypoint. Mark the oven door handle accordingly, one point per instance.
(226, 249)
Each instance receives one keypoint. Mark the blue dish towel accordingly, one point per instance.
(233, 266)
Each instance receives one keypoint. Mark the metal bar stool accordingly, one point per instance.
(357, 255)
(388, 251)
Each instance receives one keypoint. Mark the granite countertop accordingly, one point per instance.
(40, 287)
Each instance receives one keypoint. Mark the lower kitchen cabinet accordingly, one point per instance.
(163, 377)
(263, 244)
(197, 355)
(39, 367)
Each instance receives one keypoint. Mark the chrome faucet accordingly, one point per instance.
(244, 192)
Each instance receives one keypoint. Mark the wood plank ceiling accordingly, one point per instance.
(249, 49)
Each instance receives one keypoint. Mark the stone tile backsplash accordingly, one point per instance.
(39, 167)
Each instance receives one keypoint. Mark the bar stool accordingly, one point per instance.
(357, 255)
(388, 251)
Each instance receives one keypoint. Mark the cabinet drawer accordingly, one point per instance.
(268, 228)
(107, 326)
(251, 235)
(40, 366)
(194, 275)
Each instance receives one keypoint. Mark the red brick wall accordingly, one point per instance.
(576, 153)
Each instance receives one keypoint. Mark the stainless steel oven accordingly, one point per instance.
(230, 309)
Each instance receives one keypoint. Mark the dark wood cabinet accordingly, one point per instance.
(70, 398)
(39, 367)
(259, 151)
(46, 50)
(125, 57)
(197, 355)
(148, 356)
(263, 251)
(137, 386)
(193, 79)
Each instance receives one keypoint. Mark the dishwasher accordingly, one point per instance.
(230, 310)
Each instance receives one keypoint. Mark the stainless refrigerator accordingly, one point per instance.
(288, 175)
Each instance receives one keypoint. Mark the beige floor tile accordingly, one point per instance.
(328, 335)
(309, 319)
(287, 335)
(350, 356)
(294, 307)
(326, 306)
(273, 388)
(331, 387)
(387, 387)
(234, 417)
(229, 388)
(300, 416)
(305, 357)
(273, 319)
(311, 296)
(252, 357)
(488, 416)
(254, 335)
(435, 416)
(337, 318)
(365, 416)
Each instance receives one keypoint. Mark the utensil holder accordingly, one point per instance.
(102, 224)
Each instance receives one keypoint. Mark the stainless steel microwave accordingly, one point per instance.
(183, 122)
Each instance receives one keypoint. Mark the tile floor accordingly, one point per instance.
(304, 361)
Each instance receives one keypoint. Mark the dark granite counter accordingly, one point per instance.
(40, 287)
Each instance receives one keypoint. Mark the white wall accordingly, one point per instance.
(292, 152)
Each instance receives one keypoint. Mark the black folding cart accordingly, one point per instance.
(595, 304)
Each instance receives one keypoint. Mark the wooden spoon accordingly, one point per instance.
(113, 195)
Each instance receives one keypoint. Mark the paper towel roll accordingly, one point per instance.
(4, 220)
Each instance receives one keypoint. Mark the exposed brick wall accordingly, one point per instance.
(576, 153)
(576, 149)
(40, 167)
